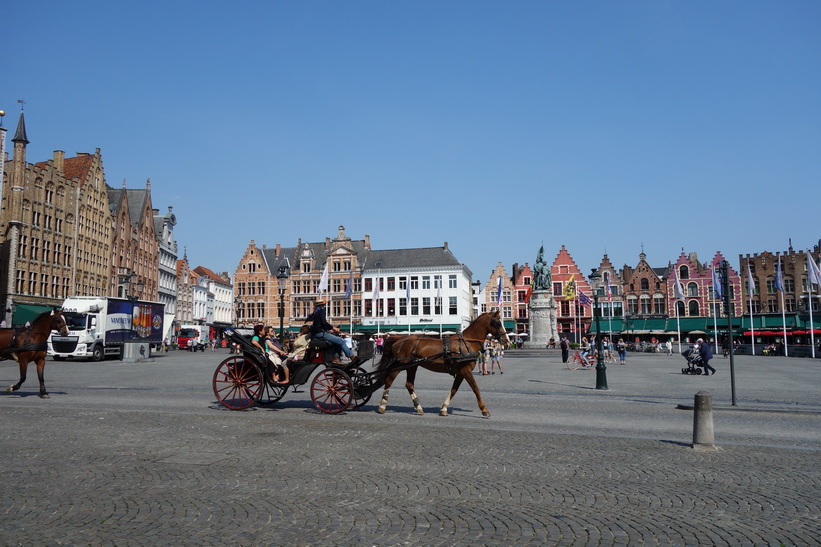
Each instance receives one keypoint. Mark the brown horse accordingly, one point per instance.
(28, 344)
(456, 357)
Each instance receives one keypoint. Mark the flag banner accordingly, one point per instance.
(570, 288)
(750, 282)
(349, 286)
(407, 290)
(323, 280)
(609, 287)
(499, 292)
(779, 280)
(678, 289)
(375, 288)
(529, 294)
(813, 273)
(717, 287)
(584, 300)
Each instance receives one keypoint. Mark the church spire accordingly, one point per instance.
(20, 134)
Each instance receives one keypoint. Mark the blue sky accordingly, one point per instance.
(494, 126)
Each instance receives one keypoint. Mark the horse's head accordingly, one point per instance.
(58, 322)
(497, 328)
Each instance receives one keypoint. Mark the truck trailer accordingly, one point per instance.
(99, 326)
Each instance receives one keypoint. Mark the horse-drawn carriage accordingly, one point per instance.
(243, 380)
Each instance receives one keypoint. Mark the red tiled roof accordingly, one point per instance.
(78, 167)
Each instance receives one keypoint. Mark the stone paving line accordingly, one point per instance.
(182, 471)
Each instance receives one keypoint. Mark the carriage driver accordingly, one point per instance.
(322, 330)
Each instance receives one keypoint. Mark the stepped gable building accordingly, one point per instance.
(570, 315)
(135, 247)
(522, 287)
(55, 230)
(185, 294)
(508, 291)
(366, 289)
(612, 304)
(697, 282)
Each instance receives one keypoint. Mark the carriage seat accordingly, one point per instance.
(316, 344)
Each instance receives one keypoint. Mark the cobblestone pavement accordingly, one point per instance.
(141, 454)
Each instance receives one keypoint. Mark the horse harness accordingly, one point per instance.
(10, 351)
(449, 355)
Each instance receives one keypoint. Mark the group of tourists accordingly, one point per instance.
(492, 352)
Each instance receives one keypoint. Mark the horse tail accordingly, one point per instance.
(388, 354)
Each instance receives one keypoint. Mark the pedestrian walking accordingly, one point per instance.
(565, 345)
(706, 355)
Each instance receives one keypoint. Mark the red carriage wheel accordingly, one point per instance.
(237, 383)
(332, 391)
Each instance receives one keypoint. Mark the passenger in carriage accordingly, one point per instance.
(281, 370)
(322, 330)
(258, 341)
(300, 345)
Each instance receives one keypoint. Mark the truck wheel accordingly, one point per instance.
(97, 354)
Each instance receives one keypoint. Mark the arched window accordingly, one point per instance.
(683, 272)
(692, 289)
(680, 308)
(692, 307)
(645, 285)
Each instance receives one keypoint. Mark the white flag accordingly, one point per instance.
(375, 288)
(813, 273)
(678, 289)
(750, 282)
(323, 280)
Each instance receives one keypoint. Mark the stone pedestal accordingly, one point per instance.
(542, 311)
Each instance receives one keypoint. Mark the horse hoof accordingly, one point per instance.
(420, 411)
(443, 412)
(380, 410)
(44, 396)
(9, 389)
(486, 414)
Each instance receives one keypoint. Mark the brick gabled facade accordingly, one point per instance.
(644, 290)
(492, 292)
(522, 287)
(569, 314)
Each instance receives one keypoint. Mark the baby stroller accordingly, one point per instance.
(694, 363)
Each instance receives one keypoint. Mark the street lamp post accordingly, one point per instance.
(601, 369)
(282, 276)
(237, 308)
(132, 290)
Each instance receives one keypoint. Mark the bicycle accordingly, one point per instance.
(581, 362)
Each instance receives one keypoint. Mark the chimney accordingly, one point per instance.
(278, 250)
(367, 241)
(327, 243)
(59, 160)
(446, 245)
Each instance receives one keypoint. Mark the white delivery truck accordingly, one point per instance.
(99, 326)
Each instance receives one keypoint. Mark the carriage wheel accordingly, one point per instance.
(271, 394)
(237, 383)
(360, 380)
(332, 391)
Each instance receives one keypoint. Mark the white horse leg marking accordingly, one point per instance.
(444, 410)
(416, 404)
(383, 404)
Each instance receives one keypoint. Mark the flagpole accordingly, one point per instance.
(678, 328)
(715, 325)
(779, 286)
(812, 325)
(750, 288)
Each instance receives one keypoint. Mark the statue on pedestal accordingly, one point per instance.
(542, 280)
(542, 306)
